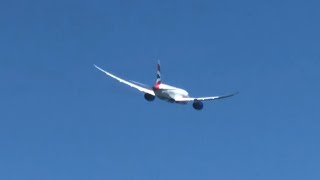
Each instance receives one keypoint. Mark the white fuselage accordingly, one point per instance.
(169, 93)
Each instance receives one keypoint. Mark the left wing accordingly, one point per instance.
(142, 89)
(182, 99)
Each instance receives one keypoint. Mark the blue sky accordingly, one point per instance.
(62, 119)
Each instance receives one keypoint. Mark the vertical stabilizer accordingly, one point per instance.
(158, 81)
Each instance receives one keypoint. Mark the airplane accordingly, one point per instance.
(166, 92)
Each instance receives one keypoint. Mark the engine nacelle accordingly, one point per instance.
(149, 97)
(198, 105)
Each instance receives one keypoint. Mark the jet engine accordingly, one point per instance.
(149, 97)
(198, 105)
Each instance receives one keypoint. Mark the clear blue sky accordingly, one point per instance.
(63, 119)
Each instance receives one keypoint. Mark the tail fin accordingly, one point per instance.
(158, 74)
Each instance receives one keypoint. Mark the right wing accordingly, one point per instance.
(142, 89)
(187, 99)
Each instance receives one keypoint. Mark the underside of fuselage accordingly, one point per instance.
(169, 93)
(170, 100)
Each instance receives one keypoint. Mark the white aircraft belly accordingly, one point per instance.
(170, 94)
(164, 94)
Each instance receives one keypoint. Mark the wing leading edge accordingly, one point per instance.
(142, 89)
(203, 98)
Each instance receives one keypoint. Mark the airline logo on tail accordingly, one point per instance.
(158, 81)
